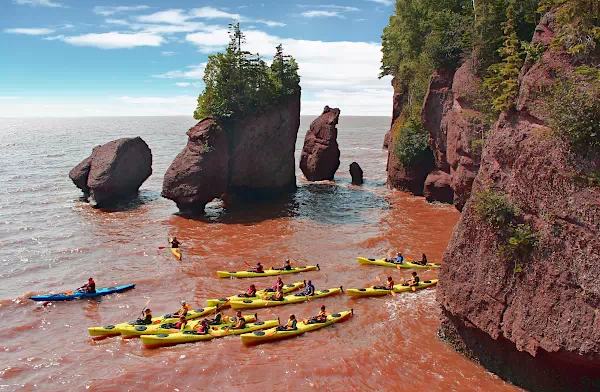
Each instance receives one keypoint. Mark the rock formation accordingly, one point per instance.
(114, 171)
(199, 173)
(321, 155)
(249, 157)
(397, 105)
(438, 187)
(505, 301)
(357, 173)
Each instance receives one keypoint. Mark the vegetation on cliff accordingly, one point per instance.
(238, 83)
(495, 36)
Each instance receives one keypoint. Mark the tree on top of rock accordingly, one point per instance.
(239, 82)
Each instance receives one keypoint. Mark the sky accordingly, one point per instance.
(77, 58)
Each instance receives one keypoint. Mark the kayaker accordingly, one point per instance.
(183, 310)
(278, 296)
(276, 286)
(181, 323)
(399, 258)
(202, 328)
(258, 269)
(388, 286)
(240, 322)
(424, 260)
(147, 320)
(174, 243)
(414, 281)
(251, 292)
(290, 326)
(218, 318)
(287, 266)
(320, 318)
(89, 287)
(310, 289)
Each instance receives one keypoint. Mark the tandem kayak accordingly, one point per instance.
(169, 328)
(80, 294)
(112, 330)
(399, 288)
(176, 252)
(259, 294)
(405, 264)
(302, 327)
(270, 272)
(288, 299)
(193, 336)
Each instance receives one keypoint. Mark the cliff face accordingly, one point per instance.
(251, 157)
(320, 156)
(505, 309)
(454, 127)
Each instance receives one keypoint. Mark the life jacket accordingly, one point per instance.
(259, 268)
(251, 292)
(184, 309)
(291, 323)
(390, 284)
(241, 323)
(148, 318)
(203, 329)
(322, 314)
(279, 295)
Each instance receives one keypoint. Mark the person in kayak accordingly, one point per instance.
(278, 296)
(258, 269)
(251, 292)
(389, 285)
(290, 326)
(276, 286)
(287, 266)
(399, 258)
(146, 320)
(183, 310)
(414, 281)
(89, 287)
(218, 318)
(320, 318)
(310, 289)
(240, 321)
(181, 323)
(202, 328)
(174, 242)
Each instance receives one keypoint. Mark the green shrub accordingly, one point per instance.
(238, 82)
(411, 143)
(522, 240)
(495, 209)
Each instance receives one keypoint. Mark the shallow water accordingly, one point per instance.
(51, 241)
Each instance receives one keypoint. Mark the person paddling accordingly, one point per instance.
(146, 320)
(414, 281)
(320, 318)
(251, 292)
(276, 286)
(183, 310)
(399, 258)
(258, 269)
(202, 328)
(89, 287)
(240, 322)
(218, 317)
(389, 285)
(290, 326)
(310, 289)
(181, 323)
(278, 296)
(287, 266)
(174, 242)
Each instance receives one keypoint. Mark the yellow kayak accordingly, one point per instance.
(176, 252)
(399, 288)
(288, 299)
(405, 264)
(113, 330)
(302, 327)
(259, 294)
(193, 336)
(269, 272)
(168, 328)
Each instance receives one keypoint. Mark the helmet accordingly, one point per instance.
(183, 302)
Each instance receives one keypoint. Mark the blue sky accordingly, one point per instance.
(95, 58)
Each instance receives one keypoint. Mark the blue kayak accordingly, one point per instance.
(80, 294)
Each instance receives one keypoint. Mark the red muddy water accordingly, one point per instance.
(51, 241)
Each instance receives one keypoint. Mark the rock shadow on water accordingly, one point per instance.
(131, 203)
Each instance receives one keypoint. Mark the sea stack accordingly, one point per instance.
(356, 173)
(321, 155)
(199, 173)
(114, 171)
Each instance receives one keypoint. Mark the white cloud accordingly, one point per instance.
(30, 31)
(174, 16)
(370, 102)
(121, 22)
(115, 40)
(211, 41)
(179, 100)
(106, 11)
(43, 3)
(212, 13)
(321, 14)
(193, 72)
(182, 84)
(270, 23)
(342, 8)
(384, 2)
(55, 38)
(8, 97)
(168, 53)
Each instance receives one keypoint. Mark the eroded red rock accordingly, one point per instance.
(321, 155)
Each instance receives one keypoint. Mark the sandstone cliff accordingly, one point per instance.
(524, 284)
(320, 153)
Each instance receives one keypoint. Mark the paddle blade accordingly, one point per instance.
(398, 267)
(271, 333)
(393, 293)
(414, 288)
(162, 247)
(378, 278)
